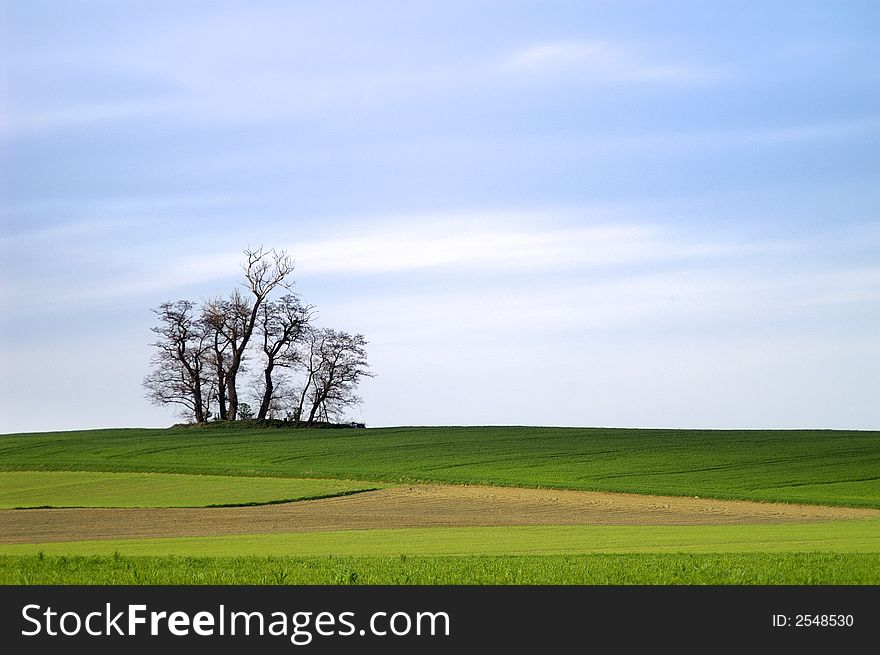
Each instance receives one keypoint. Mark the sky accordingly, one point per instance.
(634, 214)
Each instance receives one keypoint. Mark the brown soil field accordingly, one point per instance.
(407, 507)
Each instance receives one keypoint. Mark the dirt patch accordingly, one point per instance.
(408, 507)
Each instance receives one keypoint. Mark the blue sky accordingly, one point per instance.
(557, 213)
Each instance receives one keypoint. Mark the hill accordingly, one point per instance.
(807, 466)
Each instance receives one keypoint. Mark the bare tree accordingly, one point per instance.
(179, 374)
(335, 364)
(263, 271)
(311, 359)
(229, 323)
(214, 318)
(202, 350)
(281, 324)
(283, 389)
(232, 321)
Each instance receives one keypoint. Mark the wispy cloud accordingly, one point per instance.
(474, 245)
(268, 65)
(712, 299)
(600, 61)
(482, 245)
(482, 241)
(479, 244)
(74, 115)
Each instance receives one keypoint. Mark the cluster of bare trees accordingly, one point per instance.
(303, 373)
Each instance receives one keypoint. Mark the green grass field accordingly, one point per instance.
(598, 569)
(218, 466)
(824, 466)
(21, 489)
(831, 536)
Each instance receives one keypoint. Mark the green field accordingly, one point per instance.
(811, 466)
(691, 569)
(831, 536)
(22, 489)
(220, 466)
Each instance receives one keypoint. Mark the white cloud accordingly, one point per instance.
(22, 122)
(498, 242)
(599, 61)
(257, 64)
(489, 248)
(485, 243)
(707, 299)
(563, 54)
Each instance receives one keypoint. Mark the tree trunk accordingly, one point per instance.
(267, 392)
(315, 406)
(221, 390)
(231, 395)
(198, 409)
(302, 399)
(311, 418)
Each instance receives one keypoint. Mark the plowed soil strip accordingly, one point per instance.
(411, 506)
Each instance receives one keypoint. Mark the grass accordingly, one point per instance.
(809, 466)
(21, 489)
(222, 465)
(597, 569)
(861, 536)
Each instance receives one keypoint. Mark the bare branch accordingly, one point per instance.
(337, 361)
(179, 373)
